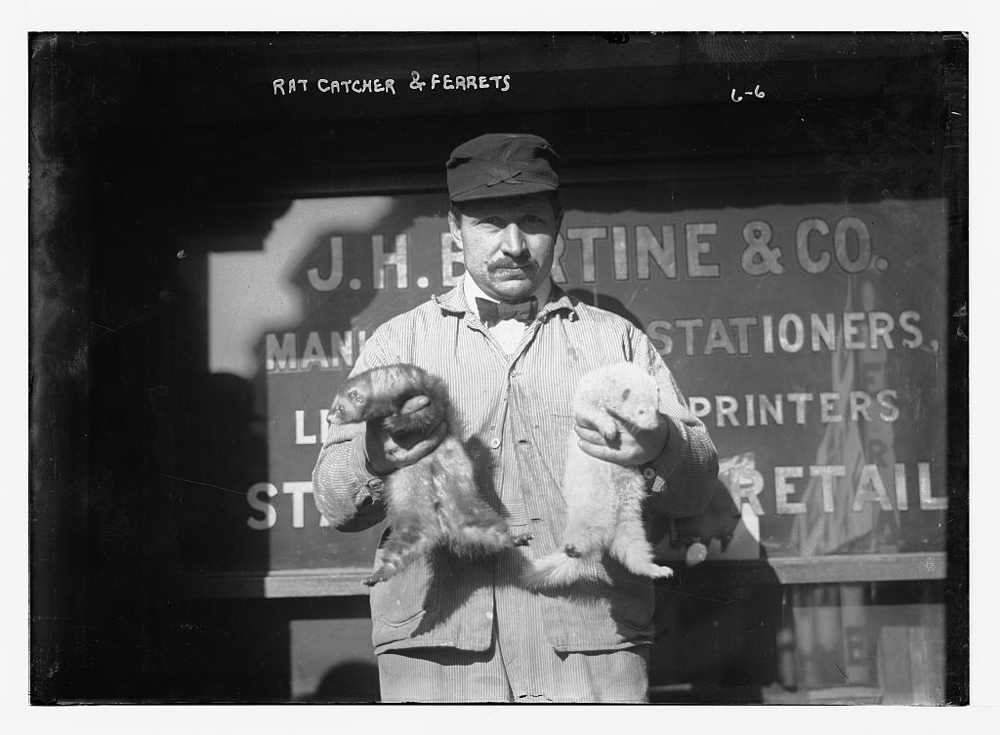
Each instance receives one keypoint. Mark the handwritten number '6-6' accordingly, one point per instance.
(756, 92)
(415, 82)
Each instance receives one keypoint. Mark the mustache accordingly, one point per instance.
(507, 262)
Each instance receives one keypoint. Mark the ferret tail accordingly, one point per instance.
(554, 570)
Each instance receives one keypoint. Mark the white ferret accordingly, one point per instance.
(604, 499)
(433, 502)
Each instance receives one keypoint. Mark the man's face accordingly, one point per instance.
(508, 243)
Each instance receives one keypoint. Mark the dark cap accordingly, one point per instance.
(501, 165)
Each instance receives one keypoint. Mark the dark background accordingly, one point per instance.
(141, 141)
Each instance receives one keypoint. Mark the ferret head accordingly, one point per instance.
(637, 404)
(627, 392)
(382, 392)
(348, 405)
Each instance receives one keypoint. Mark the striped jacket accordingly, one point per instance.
(513, 414)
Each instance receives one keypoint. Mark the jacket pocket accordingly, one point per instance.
(603, 615)
(631, 603)
(631, 598)
(404, 599)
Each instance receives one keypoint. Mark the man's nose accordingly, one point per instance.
(513, 242)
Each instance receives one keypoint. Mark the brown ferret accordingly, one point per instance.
(434, 501)
(604, 499)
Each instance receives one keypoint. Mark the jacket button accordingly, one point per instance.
(494, 443)
(649, 473)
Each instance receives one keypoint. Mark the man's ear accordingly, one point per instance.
(456, 227)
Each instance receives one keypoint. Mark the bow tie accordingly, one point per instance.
(491, 312)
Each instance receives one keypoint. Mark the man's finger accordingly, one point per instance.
(414, 404)
(623, 456)
(588, 434)
(432, 439)
(607, 428)
(598, 451)
(612, 438)
(392, 450)
(425, 446)
(440, 432)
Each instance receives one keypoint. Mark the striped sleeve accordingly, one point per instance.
(687, 469)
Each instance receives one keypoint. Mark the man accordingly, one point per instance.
(511, 347)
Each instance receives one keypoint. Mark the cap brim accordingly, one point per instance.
(504, 190)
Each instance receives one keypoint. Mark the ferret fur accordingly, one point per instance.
(604, 499)
(435, 500)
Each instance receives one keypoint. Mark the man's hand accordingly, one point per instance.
(387, 454)
(618, 444)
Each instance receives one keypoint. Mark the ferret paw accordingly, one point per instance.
(661, 572)
(572, 550)
(522, 539)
